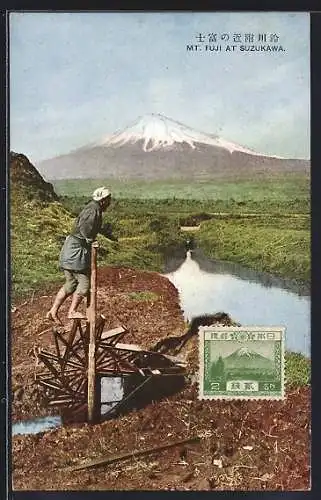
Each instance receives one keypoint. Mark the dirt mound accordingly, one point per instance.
(25, 176)
(245, 445)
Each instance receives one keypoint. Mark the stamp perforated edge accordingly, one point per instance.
(203, 329)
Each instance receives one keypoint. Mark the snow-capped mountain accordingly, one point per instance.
(155, 147)
(247, 358)
(157, 132)
(245, 351)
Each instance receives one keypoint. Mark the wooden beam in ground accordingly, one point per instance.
(92, 335)
(122, 456)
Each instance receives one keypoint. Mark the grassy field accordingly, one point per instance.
(263, 225)
(279, 246)
(289, 189)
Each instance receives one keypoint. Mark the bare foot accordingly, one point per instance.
(54, 318)
(76, 315)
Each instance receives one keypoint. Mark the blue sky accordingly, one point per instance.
(77, 77)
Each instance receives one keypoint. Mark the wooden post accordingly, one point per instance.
(92, 331)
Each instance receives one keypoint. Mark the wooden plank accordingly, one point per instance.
(112, 333)
(123, 456)
(119, 337)
(78, 345)
(116, 373)
(60, 402)
(107, 362)
(71, 399)
(128, 347)
(48, 354)
(51, 386)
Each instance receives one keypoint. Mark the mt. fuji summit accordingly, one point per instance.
(159, 132)
(155, 147)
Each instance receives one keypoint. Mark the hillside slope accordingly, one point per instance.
(39, 224)
(26, 180)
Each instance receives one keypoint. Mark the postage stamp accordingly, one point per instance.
(241, 362)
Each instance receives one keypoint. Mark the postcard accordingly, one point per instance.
(160, 250)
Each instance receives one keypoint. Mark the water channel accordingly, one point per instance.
(251, 298)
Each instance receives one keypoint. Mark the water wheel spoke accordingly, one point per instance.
(72, 384)
(100, 355)
(69, 352)
(99, 328)
(81, 386)
(51, 385)
(75, 326)
(121, 362)
(107, 362)
(55, 336)
(51, 358)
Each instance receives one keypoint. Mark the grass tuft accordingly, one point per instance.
(143, 296)
(297, 369)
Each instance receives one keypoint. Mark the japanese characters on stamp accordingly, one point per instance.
(241, 362)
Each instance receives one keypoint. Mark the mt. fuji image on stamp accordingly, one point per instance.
(241, 362)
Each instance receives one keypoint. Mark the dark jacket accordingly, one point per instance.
(75, 253)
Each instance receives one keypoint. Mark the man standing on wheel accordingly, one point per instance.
(75, 256)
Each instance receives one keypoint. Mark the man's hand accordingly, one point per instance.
(95, 244)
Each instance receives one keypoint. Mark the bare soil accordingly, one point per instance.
(244, 445)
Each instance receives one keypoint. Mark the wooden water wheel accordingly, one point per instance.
(66, 370)
(65, 374)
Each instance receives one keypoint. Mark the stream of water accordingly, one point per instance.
(36, 425)
(251, 298)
